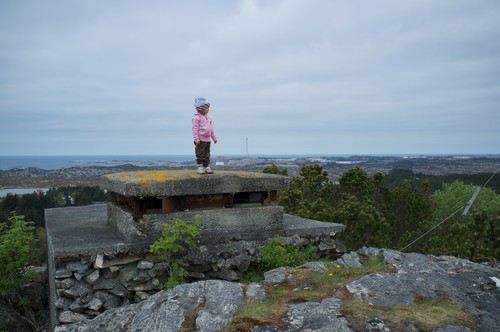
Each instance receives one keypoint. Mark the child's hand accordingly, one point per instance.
(215, 141)
(197, 142)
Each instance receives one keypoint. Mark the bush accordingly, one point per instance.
(273, 169)
(17, 251)
(175, 241)
(472, 236)
(17, 244)
(276, 253)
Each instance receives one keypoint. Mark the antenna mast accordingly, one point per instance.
(247, 147)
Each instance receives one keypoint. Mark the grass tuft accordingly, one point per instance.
(305, 285)
(425, 314)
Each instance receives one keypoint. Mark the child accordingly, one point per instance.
(203, 131)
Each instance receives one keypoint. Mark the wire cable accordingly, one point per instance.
(491, 177)
(451, 215)
(435, 226)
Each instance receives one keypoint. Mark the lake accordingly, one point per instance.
(19, 191)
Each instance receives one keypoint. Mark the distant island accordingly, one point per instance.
(31, 177)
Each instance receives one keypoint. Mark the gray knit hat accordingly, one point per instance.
(201, 104)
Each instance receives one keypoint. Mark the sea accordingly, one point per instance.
(56, 162)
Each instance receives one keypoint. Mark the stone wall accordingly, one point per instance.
(90, 285)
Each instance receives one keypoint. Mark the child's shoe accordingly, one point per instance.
(208, 170)
(201, 169)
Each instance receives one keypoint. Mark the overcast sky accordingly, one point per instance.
(292, 77)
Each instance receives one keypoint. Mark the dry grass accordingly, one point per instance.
(189, 323)
(425, 314)
(305, 285)
(256, 313)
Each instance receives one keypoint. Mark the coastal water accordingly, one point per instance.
(55, 162)
(20, 191)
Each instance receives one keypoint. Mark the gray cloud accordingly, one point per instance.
(119, 77)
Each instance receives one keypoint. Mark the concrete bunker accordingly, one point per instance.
(98, 254)
(173, 191)
(237, 205)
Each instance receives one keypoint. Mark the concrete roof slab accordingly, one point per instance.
(74, 230)
(165, 183)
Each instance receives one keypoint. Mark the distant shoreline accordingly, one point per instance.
(35, 177)
(57, 162)
(20, 191)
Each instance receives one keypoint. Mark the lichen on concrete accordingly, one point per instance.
(187, 182)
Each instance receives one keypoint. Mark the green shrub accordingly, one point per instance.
(175, 241)
(273, 169)
(17, 251)
(17, 244)
(276, 253)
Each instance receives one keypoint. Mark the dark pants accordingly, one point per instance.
(202, 152)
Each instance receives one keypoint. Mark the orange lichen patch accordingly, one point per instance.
(146, 178)
(144, 183)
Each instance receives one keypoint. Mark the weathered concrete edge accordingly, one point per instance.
(115, 245)
(292, 223)
(219, 183)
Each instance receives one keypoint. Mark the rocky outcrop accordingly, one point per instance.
(209, 305)
(86, 287)
(475, 286)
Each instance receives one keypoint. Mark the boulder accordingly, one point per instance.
(211, 304)
(165, 311)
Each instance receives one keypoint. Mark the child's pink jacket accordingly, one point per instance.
(202, 128)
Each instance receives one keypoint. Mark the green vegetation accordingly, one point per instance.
(474, 236)
(32, 206)
(301, 285)
(17, 250)
(310, 194)
(175, 240)
(377, 210)
(17, 241)
(385, 211)
(376, 214)
(273, 169)
(305, 285)
(398, 176)
(276, 253)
